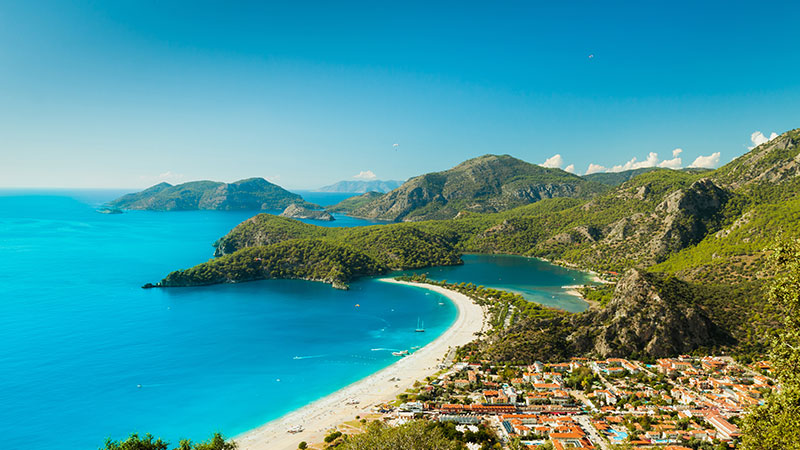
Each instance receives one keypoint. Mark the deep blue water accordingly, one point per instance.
(77, 334)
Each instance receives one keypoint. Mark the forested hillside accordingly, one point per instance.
(691, 244)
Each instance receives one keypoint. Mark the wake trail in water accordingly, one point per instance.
(309, 356)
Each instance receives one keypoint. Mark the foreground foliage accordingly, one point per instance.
(776, 424)
(148, 442)
(416, 435)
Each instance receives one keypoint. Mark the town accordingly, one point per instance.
(682, 403)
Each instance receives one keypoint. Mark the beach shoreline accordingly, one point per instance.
(332, 410)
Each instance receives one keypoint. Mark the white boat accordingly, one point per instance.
(400, 353)
(295, 429)
(420, 326)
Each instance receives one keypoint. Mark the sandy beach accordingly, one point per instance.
(328, 412)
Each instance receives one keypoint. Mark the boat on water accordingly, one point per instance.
(400, 353)
(420, 326)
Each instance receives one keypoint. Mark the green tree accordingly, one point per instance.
(516, 444)
(415, 435)
(776, 424)
(217, 442)
(134, 442)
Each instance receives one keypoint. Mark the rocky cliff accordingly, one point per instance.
(649, 315)
(296, 211)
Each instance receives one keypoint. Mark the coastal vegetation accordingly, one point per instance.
(149, 442)
(774, 424)
(331, 255)
(416, 435)
(250, 194)
(680, 243)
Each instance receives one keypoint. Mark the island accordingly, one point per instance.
(255, 194)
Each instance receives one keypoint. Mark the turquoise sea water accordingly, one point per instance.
(78, 335)
(534, 279)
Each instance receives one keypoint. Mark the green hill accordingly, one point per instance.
(488, 183)
(250, 194)
(691, 245)
(617, 178)
(348, 205)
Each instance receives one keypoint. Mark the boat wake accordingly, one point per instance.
(309, 356)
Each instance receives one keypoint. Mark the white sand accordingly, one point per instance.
(328, 412)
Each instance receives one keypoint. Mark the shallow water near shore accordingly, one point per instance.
(536, 280)
(86, 354)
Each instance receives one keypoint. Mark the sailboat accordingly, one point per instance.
(420, 326)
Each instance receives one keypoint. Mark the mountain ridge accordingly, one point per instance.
(488, 183)
(246, 194)
(361, 186)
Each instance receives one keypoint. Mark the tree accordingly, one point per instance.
(415, 435)
(148, 442)
(134, 442)
(302, 445)
(776, 424)
(516, 444)
(217, 442)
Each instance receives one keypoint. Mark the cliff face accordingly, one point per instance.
(648, 316)
(295, 211)
(250, 194)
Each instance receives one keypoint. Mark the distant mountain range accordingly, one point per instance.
(489, 183)
(687, 248)
(250, 194)
(360, 187)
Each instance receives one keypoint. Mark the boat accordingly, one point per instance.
(295, 429)
(420, 326)
(400, 353)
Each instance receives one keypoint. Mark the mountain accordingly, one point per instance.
(249, 194)
(692, 246)
(488, 183)
(295, 211)
(348, 205)
(360, 187)
(617, 178)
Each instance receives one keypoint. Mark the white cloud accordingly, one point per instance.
(570, 168)
(365, 175)
(650, 161)
(595, 168)
(758, 138)
(706, 162)
(553, 162)
(674, 163)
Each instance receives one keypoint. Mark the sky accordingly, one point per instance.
(128, 93)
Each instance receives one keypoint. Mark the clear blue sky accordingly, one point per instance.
(123, 93)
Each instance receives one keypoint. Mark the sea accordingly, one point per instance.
(86, 354)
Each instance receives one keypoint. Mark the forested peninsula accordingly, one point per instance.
(684, 243)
